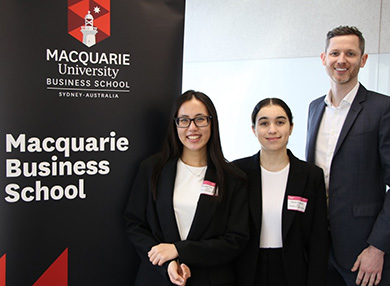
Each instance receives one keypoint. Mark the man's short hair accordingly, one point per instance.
(343, 31)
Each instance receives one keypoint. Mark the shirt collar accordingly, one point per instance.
(347, 100)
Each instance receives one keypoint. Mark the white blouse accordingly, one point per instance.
(188, 184)
(273, 191)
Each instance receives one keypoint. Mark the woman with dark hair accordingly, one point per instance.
(287, 205)
(187, 214)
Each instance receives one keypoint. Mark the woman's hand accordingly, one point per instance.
(161, 253)
(178, 274)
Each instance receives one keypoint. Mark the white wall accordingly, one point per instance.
(241, 51)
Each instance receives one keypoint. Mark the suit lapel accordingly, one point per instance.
(295, 187)
(164, 202)
(205, 209)
(315, 120)
(354, 111)
(255, 195)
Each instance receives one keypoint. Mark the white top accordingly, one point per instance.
(188, 184)
(273, 186)
(328, 133)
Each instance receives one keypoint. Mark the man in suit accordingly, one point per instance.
(349, 137)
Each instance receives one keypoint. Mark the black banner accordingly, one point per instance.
(86, 90)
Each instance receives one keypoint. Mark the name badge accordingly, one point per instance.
(208, 188)
(296, 203)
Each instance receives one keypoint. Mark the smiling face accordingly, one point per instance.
(193, 138)
(343, 59)
(272, 128)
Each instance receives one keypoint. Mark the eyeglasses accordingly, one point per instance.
(199, 121)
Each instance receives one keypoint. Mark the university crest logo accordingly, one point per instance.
(89, 20)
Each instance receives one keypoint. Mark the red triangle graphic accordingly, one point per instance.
(104, 24)
(76, 33)
(2, 270)
(57, 273)
(80, 8)
(104, 3)
(72, 2)
(74, 21)
(102, 11)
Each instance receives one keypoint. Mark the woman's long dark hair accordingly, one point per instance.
(172, 147)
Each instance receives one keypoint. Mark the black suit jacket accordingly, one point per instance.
(305, 235)
(218, 233)
(359, 207)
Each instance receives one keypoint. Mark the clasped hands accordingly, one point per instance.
(163, 252)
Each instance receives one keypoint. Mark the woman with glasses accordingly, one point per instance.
(187, 214)
(287, 205)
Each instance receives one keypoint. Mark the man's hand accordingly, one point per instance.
(178, 274)
(370, 265)
(161, 253)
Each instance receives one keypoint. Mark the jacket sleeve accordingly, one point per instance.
(380, 233)
(138, 209)
(224, 248)
(319, 238)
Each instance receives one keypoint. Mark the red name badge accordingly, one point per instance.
(296, 203)
(208, 188)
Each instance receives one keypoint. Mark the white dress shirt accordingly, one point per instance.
(328, 133)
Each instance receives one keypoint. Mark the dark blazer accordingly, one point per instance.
(359, 207)
(305, 235)
(218, 233)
